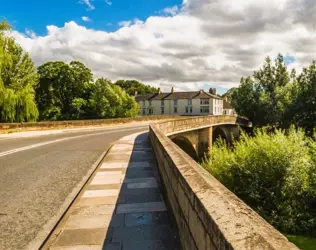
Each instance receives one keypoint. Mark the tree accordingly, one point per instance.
(63, 90)
(18, 78)
(303, 109)
(264, 99)
(132, 86)
(110, 101)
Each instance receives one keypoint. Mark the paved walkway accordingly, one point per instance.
(122, 207)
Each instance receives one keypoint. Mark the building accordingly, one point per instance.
(181, 103)
(227, 107)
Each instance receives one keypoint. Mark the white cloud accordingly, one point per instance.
(208, 42)
(88, 3)
(108, 2)
(30, 33)
(171, 10)
(125, 23)
(86, 19)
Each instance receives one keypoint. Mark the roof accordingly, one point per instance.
(177, 95)
(227, 105)
(140, 98)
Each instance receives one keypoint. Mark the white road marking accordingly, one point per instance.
(100, 193)
(2, 154)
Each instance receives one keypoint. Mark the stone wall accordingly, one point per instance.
(207, 214)
(75, 123)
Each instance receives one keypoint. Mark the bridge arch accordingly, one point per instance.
(219, 133)
(186, 146)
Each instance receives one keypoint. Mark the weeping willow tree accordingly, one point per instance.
(18, 79)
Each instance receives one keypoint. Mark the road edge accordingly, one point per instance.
(44, 235)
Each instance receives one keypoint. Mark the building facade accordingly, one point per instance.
(180, 103)
(227, 107)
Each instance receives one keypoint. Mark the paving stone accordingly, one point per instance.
(139, 164)
(106, 186)
(100, 193)
(79, 247)
(142, 232)
(136, 173)
(104, 181)
(93, 221)
(151, 245)
(106, 173)
(94, 210)
(142, 185)
(83, 237)
(154, 218)
(97, 201)
(141, 207)
(112, 165)
(109, 177)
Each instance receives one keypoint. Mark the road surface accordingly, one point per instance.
(39, 175)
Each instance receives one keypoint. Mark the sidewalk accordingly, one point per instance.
(122, 207)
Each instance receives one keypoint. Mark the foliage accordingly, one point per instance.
(63, 89)
(18, 78)
(303, 109)
(109, 101)
(133, 86)
(265, 97)
(274, 173)
(303, 242)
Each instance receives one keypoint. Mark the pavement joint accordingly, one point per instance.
(122, 206)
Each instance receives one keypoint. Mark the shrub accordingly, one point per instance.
(274, 173)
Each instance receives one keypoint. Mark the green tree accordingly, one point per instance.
(18, 78)
(303, 109)
(132, 86)
(110, 101)
(63, 90)
(274, 173)
(264, 99)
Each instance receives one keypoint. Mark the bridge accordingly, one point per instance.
(207, 214)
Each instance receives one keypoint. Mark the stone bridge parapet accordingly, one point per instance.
(207, 214)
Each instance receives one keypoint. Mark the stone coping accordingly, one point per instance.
(208, 215)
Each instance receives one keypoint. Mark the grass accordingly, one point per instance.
(302, 242)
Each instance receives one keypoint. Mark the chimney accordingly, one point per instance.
(159, 91)
(136, 93)
(213, 91)
(172, 90)
(227, 98)
(201, 91)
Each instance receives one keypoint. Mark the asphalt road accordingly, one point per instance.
(38, 174)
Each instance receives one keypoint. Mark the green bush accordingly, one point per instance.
(274, 173)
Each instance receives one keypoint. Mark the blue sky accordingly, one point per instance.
(37, 14)
(198, 46)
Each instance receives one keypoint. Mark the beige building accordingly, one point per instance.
(181, 103)
(227, 107)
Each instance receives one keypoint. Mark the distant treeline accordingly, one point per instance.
(57, 90)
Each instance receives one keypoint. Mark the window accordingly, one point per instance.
(188, 110)
(175, 110)
(204, 101)
(189, 102)
(175, 102)
(204, 110)
(162, 103)
(150, 111)
(144, 111)
(162, 110)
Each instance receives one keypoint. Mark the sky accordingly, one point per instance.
(186, 44)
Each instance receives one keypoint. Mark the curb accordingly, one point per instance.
(42, 240)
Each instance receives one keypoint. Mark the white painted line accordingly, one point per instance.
(105, 182)
(109, 177)
(100, 193)
(55, 141)
(141, 207)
